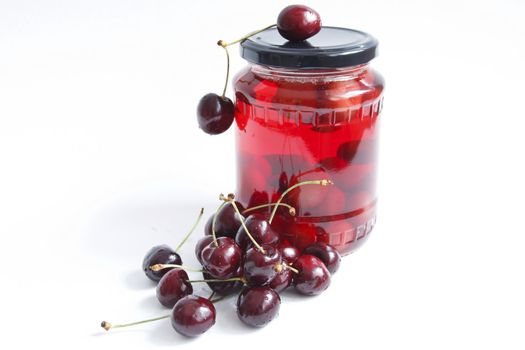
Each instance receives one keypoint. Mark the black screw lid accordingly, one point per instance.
(332, 47)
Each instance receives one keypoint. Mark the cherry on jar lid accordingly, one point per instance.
(332, 47)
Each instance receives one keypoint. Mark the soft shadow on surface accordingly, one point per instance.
(118, 332)
(152, 304)
(227, 320)
(137, 280)
(163, 334)
(290, 295)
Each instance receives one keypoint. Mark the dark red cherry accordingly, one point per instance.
(260, 230)
(261, 268)
(227, 223)
(257, 306)
(313, 277)
(258, 198)
(224, 288)
(215, 114)
(326, 253)
(282, 281)
(203, 242)
(207, 226)
(298, 22)
(161, 254)
(223, 260)
(289, 253)
(193, 315)
(173, 286)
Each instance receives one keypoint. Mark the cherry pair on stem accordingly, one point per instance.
(215, 113)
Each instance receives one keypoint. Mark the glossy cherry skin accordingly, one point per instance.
(223, 260)
(173, 286)
(289, 253)
(260, 230)
(224, 288)
(282, 280)
(260, 269)
(203, 242)
(207, 226)
(298, 22)
(313, 277)
(215, 114)
(193, 315)
(161, 254)
(326, 253)
(227, 223)
(257, 306)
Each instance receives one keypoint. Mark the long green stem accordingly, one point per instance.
(323, 182)
(291, 209)
(158, 267)
(288, 267)
(191, 231)
(216, 280)
(225, 44)
(227, 71)
(107, 326)
(214, 220)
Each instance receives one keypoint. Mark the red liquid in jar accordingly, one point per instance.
(318, 125)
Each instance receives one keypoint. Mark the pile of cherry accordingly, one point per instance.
(240, 253)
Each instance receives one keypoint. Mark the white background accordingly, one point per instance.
(101, 158)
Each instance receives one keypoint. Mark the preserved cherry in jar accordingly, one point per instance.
(304, 111)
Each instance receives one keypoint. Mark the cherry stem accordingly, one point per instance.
(107, 326)
(216, 280)
(225, 44)
(227, 69)
(191, 231)
(288, 267)
(214, 221)
(291, 209)
(323, 182)
(158, 267)
(231, 199)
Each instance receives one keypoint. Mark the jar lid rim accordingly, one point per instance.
(332, 47)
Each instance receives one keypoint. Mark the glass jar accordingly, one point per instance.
(310, 111)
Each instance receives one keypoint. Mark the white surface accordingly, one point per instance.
(101, 158)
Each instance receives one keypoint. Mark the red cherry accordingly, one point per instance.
(161, 254)
(221, 260)
(203, 242)
(282, 281)
(298, 22)
(224, 288)
(289, 253)
(173, 286)
(261, 268)
(326, 253)
(258, 306)
(313, 277)
(260, 230)
(227, 223)
(193, 315)
(215, 114)
(307, 197)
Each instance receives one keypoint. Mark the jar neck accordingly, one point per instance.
(298, 75)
